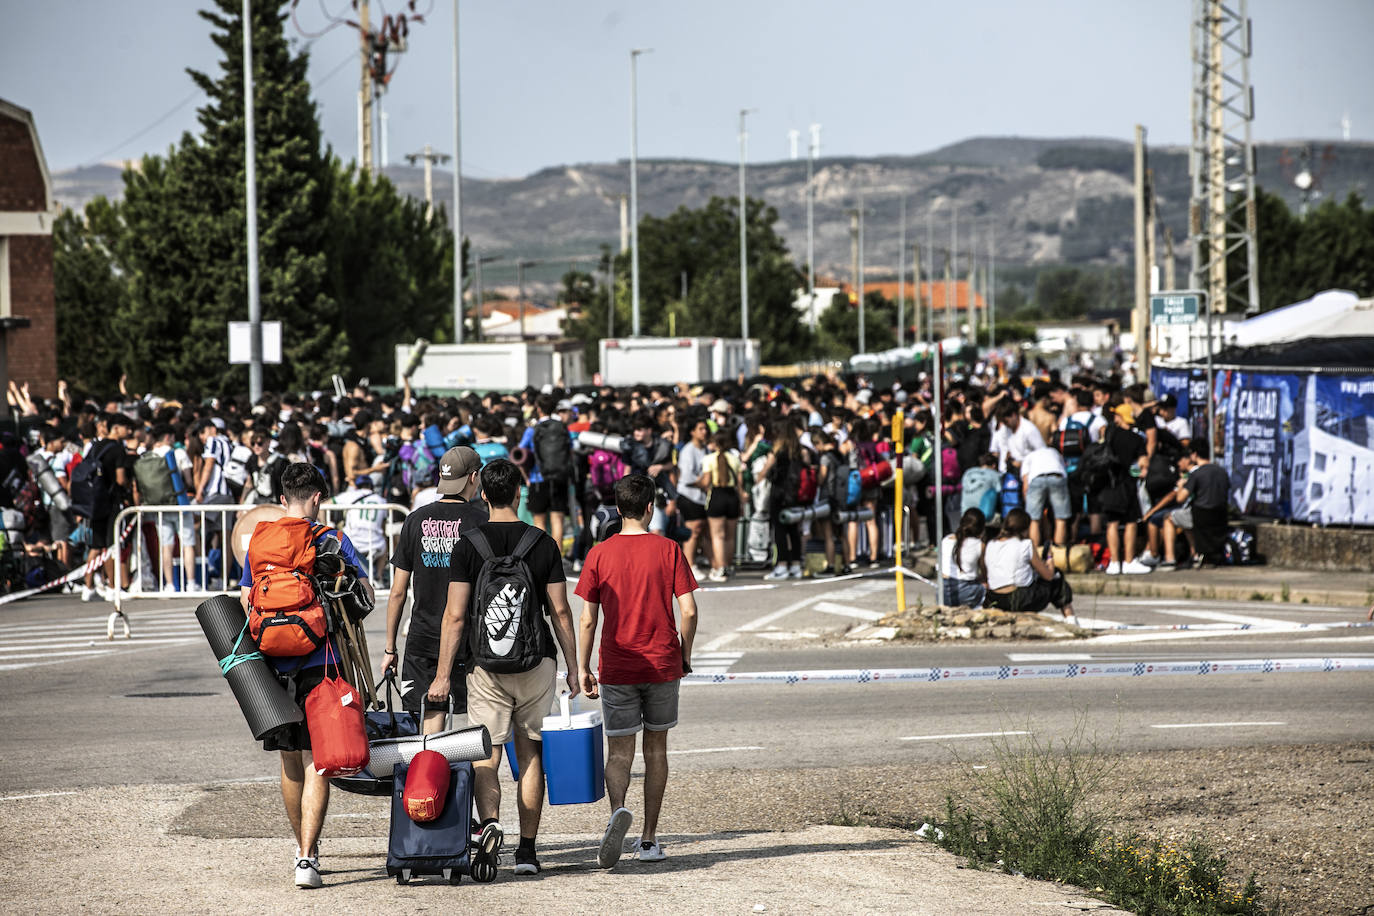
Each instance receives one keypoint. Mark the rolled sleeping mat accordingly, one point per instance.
(876, 474)
(48, 482)
(522, 457)
(804, 513)
(417, 355)
(913, 470)
(855, 515)
(261, 697)
(590, 440)
(456, 745)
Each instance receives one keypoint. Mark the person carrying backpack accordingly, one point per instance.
(507, 577)
(551, 445)
(93, 483)
(160, 476)
(299, 647)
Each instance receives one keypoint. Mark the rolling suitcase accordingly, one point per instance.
(440, 847)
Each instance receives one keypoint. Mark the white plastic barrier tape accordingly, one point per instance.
(95, 562)
(1278, 626)
(1039, 672)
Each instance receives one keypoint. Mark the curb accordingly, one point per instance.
(1086, 585)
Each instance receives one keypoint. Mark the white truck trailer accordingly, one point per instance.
(508, 366)
(665, 360)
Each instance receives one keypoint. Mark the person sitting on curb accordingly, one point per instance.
(1017, 578)
(643, 659)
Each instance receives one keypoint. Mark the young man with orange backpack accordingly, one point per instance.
(287, 622)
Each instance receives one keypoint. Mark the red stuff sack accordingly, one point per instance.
(338, 738)
(285, 616)
(427, 782)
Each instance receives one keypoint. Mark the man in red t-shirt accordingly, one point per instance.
(633, 577)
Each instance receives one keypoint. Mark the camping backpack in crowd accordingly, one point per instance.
(1071, 442)
(553, 449)
(285, 615)
(159, 481)
(1239, 549)
(507, 635)
(90, 487)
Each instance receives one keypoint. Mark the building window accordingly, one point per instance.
(1316, 491)
(1318, 462)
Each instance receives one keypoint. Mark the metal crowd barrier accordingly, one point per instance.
(197, 568)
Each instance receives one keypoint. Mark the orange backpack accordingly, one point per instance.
(285, 616)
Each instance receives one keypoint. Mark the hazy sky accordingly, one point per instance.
(546, 82)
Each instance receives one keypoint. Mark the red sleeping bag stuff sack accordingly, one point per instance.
(338, 737)
(427, 784)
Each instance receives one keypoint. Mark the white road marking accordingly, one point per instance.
(92, 650)
(1048, 657)
(58, 629)
(714, 662)
(964, 735)
(847, 610)
(1153, 636)
(35, 795)
(1216, 724)
(717, 750)
(71, 644)
(1340, 639)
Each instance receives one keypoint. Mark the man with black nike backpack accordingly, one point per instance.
(506, 575)
(548, 439)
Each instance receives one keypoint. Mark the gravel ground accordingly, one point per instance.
(1301, 817)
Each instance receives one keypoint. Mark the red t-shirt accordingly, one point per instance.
(634, 577)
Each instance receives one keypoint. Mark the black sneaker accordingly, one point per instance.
(525, 862)
(486, 853)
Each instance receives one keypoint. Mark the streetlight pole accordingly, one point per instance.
(901, 278)
(458, 199)
(859, 280)
(812, 152)
(634, 188)
(743, 232)
(250, 157)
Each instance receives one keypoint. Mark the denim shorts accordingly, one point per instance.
(626, 708)
(1052, 488)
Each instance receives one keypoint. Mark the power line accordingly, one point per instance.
(123, 143)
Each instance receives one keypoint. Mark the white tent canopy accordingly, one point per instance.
(1333, 313)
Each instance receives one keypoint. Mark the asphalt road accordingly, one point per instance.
(82, 711)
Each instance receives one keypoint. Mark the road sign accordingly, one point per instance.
(1175, 307)
(241, 337)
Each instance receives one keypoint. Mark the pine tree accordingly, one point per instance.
(185, 245)
(91, 292)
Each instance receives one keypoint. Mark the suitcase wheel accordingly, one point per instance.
(403, 876)
(453, 876)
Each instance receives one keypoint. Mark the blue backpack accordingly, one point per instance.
(854, 488)
(1011, 493)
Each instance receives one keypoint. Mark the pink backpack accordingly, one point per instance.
(605, 469)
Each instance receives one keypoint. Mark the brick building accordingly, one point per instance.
(28, 325)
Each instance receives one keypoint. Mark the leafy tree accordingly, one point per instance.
(1331, 248)
(579, 289)
(703, 245)
(91, 292)
(838, 327)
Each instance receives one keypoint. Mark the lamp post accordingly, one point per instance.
(634, 188)
(458, 199)
(743, 232)
(813, 150)
(250, 156)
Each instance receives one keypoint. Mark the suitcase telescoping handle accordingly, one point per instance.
(448, 719)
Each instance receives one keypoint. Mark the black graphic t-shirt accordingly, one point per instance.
(545, 561)
(424, 549)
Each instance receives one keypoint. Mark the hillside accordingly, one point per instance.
(1047, 200)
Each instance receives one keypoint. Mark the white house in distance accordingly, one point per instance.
(1333, 478)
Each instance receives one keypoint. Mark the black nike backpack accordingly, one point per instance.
(506, 632)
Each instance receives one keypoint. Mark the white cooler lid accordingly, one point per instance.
(578, 720)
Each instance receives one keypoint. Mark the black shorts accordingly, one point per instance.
(101, 532)
(690, 511)
(549, 495)
(418, 667)
(724, 503)
(295, 737)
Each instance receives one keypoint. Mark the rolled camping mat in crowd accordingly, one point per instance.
(260, 695)
(456, 745)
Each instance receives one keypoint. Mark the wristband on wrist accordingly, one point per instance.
(389, 651)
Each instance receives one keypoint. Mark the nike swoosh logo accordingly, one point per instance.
(501, 622)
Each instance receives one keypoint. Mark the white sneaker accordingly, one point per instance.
(87, 594)
(1148, 559)
(716, 575)
(794, 571)
(613, 840)
(308, 872)
(698, 573)
(650, 852)
(1113, 569)
(1136, 568)
(779, 572)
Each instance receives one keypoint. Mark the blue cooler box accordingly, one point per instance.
(574, 756)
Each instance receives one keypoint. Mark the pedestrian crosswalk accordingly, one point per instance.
(714, 662)
(33, 643)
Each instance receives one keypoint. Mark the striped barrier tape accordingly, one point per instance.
(1039, 672)
(1276, 627)
(95, 562)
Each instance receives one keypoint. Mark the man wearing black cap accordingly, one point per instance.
(422, 558)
